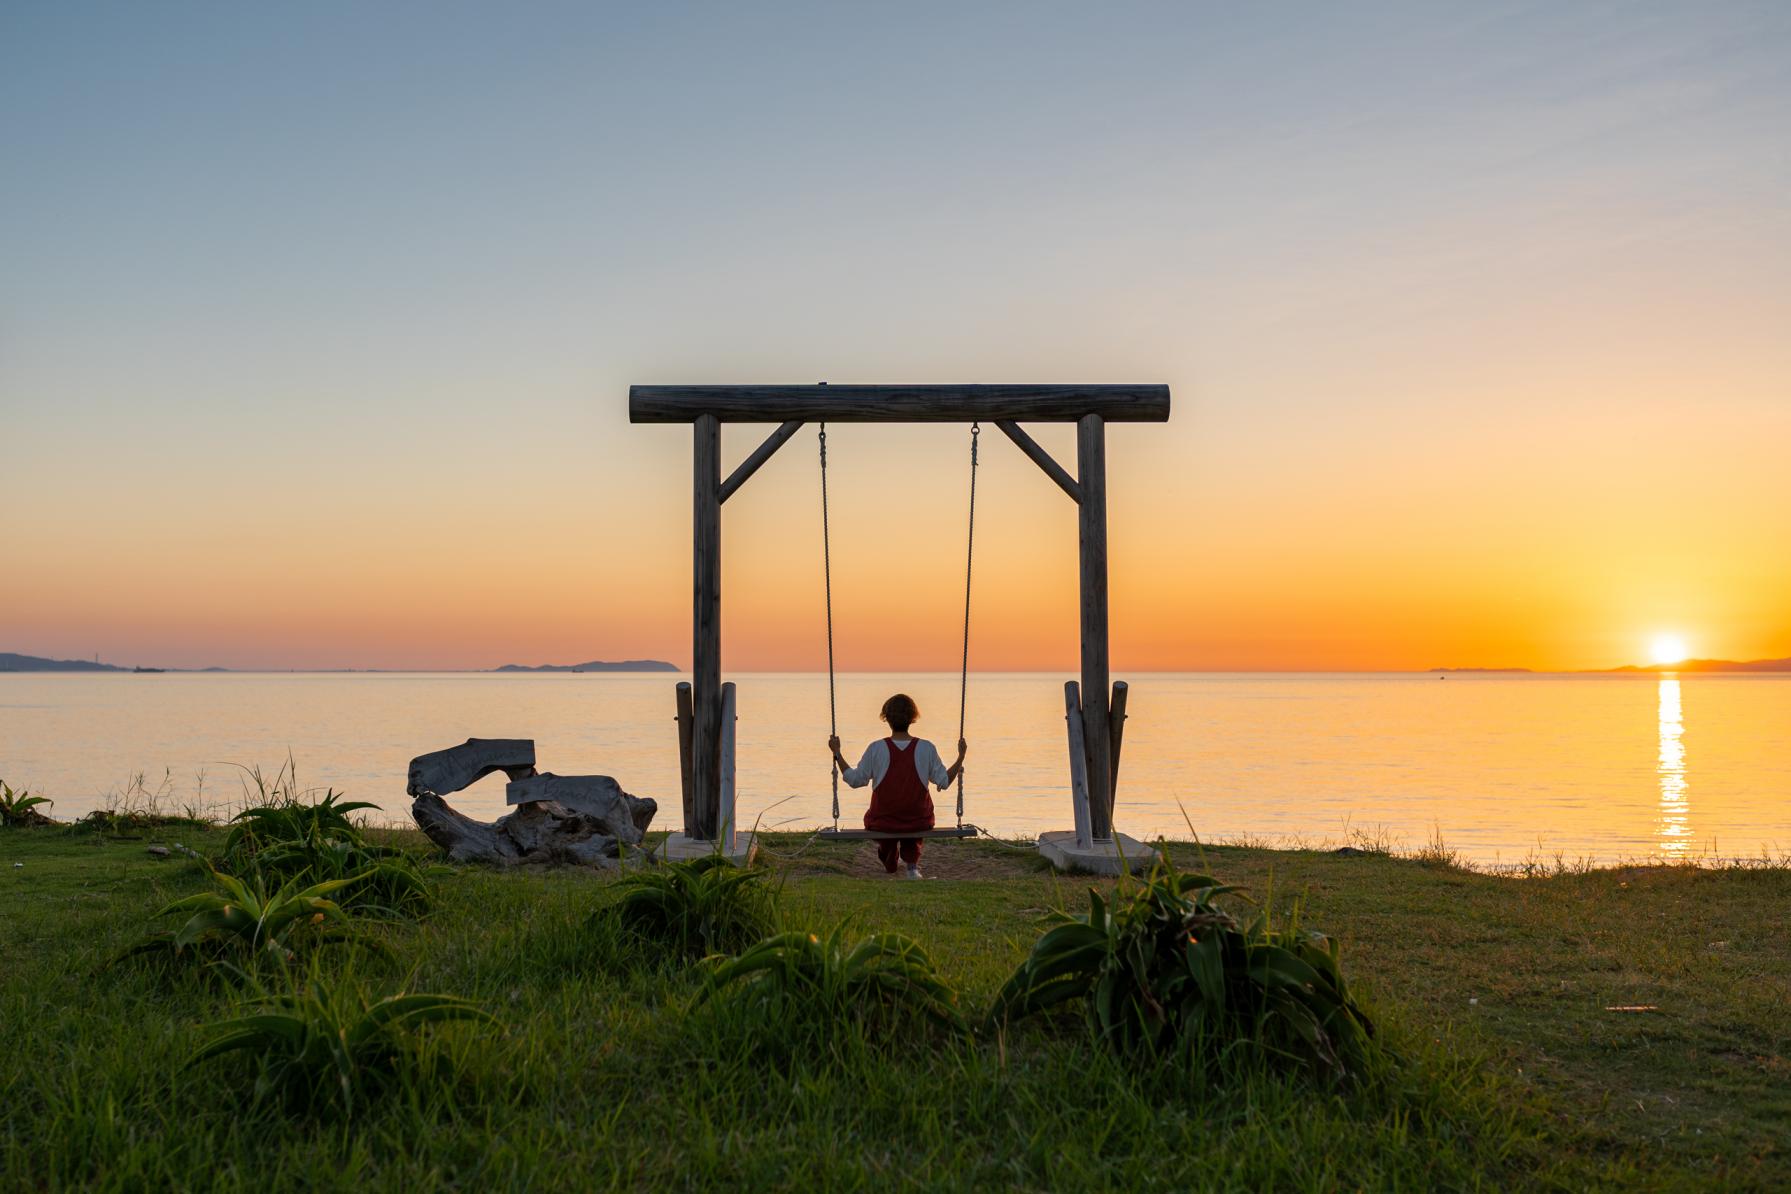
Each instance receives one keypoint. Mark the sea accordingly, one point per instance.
(1505, 770)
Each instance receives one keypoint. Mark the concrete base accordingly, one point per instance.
(1111, 857)
(679, 848)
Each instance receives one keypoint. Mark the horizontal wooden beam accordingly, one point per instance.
(899, 404)
(1042, 458)
(760, 455)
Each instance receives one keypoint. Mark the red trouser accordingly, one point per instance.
(899, 802)
(889, 848)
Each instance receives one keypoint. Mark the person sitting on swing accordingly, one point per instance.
(898, 768)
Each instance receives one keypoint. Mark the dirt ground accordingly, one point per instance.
(941, 858)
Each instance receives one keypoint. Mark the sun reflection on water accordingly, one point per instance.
(1675, 808)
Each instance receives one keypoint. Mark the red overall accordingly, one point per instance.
(899, 802)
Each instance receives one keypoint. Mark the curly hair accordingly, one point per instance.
(900, 711)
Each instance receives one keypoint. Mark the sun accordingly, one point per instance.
(1667, 648)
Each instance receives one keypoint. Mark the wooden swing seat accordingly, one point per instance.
(878, 835)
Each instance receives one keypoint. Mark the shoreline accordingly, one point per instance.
(1434, 854)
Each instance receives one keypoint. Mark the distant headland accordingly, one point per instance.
(1684, 665)
(1710, 665)
(13, 662)
(596, 665)
(10, 662)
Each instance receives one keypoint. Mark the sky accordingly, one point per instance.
(317, 323)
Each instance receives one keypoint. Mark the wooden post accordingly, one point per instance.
(1072, 716)
(1116, 717)
(1097, 730)
(726, 821)
(705, 652)
(685, 729)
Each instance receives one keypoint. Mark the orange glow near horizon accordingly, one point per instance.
(1212, 568)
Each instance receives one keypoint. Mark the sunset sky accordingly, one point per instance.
(317, 324)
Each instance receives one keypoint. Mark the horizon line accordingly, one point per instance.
(1621, 669)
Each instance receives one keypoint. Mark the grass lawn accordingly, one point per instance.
(1493, 995)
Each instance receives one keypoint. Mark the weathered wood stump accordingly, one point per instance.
(537, 832)
(579, 819)
(596, 796)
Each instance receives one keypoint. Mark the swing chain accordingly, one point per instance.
(976, 429)
(833, 716)
(827, 581)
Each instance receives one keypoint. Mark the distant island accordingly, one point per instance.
(1480, 670)
(596, 665)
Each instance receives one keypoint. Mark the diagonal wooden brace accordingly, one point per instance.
(1042, 458)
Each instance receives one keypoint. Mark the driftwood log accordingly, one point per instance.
(579, 819)
(445, 771)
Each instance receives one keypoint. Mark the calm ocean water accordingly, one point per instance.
(1502, 766)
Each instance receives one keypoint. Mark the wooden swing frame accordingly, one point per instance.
(1094, 709)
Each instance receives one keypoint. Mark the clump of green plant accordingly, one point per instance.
(291, 839)
(1161, 968)
(287, 820)
(800, 991)
(323, 1050)
(381, 881)
(20, 808)
(690, 910)
(243, 921)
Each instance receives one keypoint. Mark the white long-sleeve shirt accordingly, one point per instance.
(875, 764)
